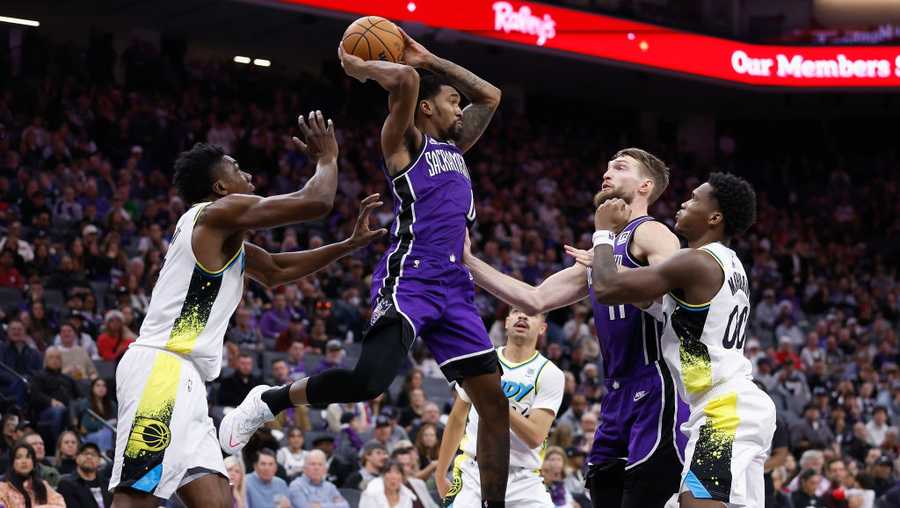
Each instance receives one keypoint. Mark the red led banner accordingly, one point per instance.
(641, 44)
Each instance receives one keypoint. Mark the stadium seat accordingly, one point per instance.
(11, 298)
(54, 299)
(106, 370)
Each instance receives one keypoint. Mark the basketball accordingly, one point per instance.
(373, 38)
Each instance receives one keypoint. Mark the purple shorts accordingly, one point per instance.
(639, 415)
(436, 298)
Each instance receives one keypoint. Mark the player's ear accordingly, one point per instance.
(716, 218)
(426, 108)
(219, 188)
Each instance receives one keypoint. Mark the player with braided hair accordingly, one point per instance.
(706, 302)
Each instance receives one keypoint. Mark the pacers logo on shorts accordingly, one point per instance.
(149, 434)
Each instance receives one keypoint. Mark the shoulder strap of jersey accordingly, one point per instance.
(632, 227)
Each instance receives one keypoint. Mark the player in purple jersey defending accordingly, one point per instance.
(636, 460)
(420, 288)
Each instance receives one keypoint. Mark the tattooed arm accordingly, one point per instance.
(484, 97)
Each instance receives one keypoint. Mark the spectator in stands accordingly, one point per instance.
(238, 481)
(86, 486)
(292, 456)
(405, 455)
(878, 427)
(295, 332)
(373, 457)
(413, 413)
(428, 446)
(572, 416)
(882, 476)
(17, 352)
(431, 415)
(276, 319)
(10, 276)
(574, 475)
(318, 336)
(40, 327)
(52, 392)
(66, 451)
(235, 387)
(17, 245)
(76, 321)
(244, 332)
(280, 373)
(295, 363)
(334, 357)
(349, 441)
(553, 472)
(46, 470)
(814, 460)
(387, 490)
(23, 485)
(75, 360)
(115, 338)
(806, 496)
(264, 489)
(811, 432)
(412, 382)
(93, 411)
(312, 489)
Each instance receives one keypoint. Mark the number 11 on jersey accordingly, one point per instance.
(612, 312)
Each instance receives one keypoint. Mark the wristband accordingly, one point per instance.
(604, 237)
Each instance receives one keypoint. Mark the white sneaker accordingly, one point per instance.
(241, 423)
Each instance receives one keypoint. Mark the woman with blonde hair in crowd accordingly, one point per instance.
(236, 478)
(66, 450)
(554, 477)
(115, 338)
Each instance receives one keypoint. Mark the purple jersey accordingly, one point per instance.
(421, 276)
(629, 337)
(433, 203)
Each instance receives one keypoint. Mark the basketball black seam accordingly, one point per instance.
(367, 44)
(385, 46)
(361, 37)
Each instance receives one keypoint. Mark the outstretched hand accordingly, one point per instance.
(582, 257)
(362, 234)
(318, 134)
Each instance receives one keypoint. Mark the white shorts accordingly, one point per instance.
(525, 487)
(164, 437)
(730, 434)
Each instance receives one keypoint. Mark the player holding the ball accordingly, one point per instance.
(420, 287)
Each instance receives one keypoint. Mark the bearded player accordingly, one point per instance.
(420, 288)
(166, 441)
(638, 448)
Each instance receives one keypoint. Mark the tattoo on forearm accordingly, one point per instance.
(468, 83)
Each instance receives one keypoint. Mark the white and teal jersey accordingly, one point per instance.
(533, 384)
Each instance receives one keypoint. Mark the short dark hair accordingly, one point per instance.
(737, 201)
(265, 451)
(194, 171)
(430, 85)
(655, 168)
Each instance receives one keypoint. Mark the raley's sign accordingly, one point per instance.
(642, 44)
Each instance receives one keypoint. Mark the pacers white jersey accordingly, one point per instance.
(703, 344)
(529, 385)
(190, 306)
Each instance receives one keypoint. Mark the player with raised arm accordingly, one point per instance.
(706, 303)
(420, 287)
(637, 449)
(166, 442)
(534, 387)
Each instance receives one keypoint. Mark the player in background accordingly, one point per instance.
(166, 441)
(420, 287)
(706, 303)
(638, 447)
(534, 387)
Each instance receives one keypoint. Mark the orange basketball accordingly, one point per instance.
(373, 38)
